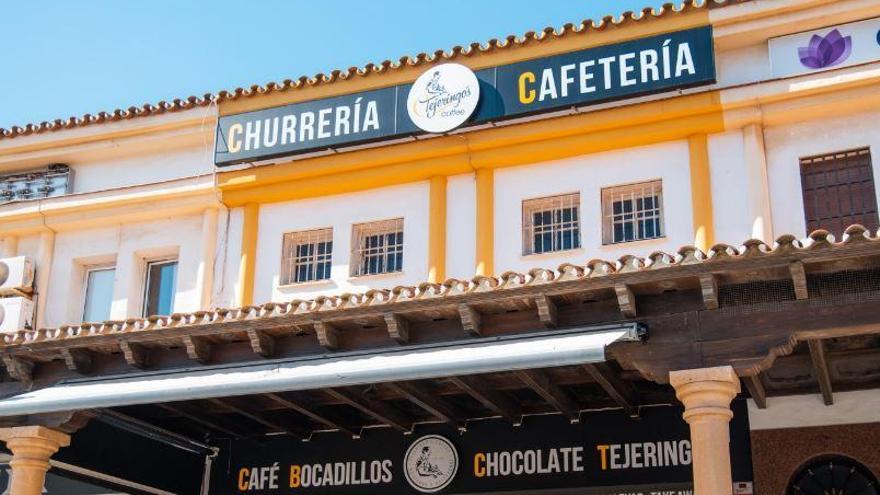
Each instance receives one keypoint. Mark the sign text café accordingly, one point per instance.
(450, 95)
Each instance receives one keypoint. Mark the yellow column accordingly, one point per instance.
(485, 221)
(437, 230)
(31, 447)
(244, 295)
(706, 394)
(701, 192)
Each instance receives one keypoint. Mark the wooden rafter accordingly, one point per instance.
(490, 398)
(185, 412)
(709, 288)
(237, 407)
(328, 335)
(622, 393)
(19, 369)
(470, 320)
(310, 412)
(432, 403)
(799, 279)
(79, 360)
(136, 355)
(197, 348)
(398, 327)
(378, 410)
(547, 311)
(261, 342)
(820, 370)
(538, 381)
(626, 300)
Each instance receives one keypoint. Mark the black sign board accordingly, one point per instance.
(654, 64)
(606, 453)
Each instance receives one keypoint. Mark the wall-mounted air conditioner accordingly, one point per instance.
(16, 313)
(16, 276)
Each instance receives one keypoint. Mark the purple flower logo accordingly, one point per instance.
(826, 51)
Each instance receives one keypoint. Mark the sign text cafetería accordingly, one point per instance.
(450, 95)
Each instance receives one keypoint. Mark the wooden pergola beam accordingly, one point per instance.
(820, 370)
(490, 398)
(432, 403)
(310, 413)
(538, 381)
(378, 410)
(621, 392)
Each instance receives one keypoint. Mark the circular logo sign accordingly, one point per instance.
(443, 98)
(430, 463)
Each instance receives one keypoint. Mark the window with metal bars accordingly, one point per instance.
(306, 256)
(377, 247)
(632, 212)
(551, 224)
(838, 191)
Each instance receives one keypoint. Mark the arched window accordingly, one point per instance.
(833, 475)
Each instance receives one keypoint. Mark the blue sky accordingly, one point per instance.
(67, 57)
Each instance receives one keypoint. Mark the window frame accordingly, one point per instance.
(607, 207)
(146, 289)
(319, 232)
(87, 271)
(556, 202)
(360, 231)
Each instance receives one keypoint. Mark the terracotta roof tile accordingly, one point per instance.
(548, 33)
(785, 245)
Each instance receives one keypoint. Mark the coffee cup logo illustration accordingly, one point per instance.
(430, 463)
(443, 98)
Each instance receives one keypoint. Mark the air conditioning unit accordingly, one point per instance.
(16, 276)
(16, 313)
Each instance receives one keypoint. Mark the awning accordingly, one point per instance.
(467, 357)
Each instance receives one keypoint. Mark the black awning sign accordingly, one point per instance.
(607, 452)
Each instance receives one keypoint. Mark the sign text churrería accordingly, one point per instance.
(654, 64)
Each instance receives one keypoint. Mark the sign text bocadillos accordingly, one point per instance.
(607, 452)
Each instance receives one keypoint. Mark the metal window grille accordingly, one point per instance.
(306, 256)
(54, 180)
(838, 191)
(551, 224)
(378, 247)
(632, 212)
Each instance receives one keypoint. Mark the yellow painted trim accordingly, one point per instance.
(244, 294)
(530, 142)
(485, 248)
(701, 192)
(529, 50)
(437, 230)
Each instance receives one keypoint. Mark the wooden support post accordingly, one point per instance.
(756, 390)
(820, 370)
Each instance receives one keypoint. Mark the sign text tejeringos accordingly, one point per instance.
(607, 453)
(655, 64)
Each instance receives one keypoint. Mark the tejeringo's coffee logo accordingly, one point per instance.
(430, 463)
(826, 51)
(443, 98)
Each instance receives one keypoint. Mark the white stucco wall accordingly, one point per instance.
(785, 146)
(408, 201)
(743, 65)
(798, 411)
(461, 226)
(588, 175)
(729, 181)
(128, 247)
